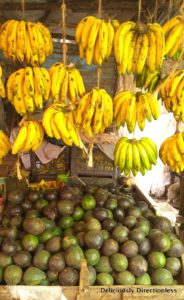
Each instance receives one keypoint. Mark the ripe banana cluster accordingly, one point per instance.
(174, 32)
(30, 137)
(137, 45)
(28, 88)
(25, 41)
(94, 112)
(2, 87)
(172, 152)
(130, 108)
(131, 155)
(59, 124)
(5, 145)
(95, 38)
(172, 94)
(147, 80)
(66, 82)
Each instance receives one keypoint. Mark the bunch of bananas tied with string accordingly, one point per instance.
(30, 137)
(28, 88)
(137, 45)
(95, 38)
(147, 80)
(5, 145)
(172, 94)
(94, 112)
(133, 156)
(25, 41)
(172, 152)
(2, 87)
(130, 108)
(174, 35)
(58, 123)
(66, 83)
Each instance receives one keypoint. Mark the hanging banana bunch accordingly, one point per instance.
(130, 108)
(25, 41)
(172, 94)
(94, 112)
(137, 45)
(28, 88)
(59, 124)
(66, 83)
(172, 152)
(133, 156)
(30, 137)
(5, 145)
(95, 38)
(147, 80)
(174, 34)
(2, 87)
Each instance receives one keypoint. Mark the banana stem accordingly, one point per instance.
(139, 10)
(23, 8)
(98, 77)
(178, 126)
(64, 46)
(100, 9)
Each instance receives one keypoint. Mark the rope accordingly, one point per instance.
(156, 9)
(170, 8)
(139, 10)
(98, 76)
(100, 9)
(100, 17)
(64, 46)
(23, 8)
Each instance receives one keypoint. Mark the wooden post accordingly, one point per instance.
(181, 210)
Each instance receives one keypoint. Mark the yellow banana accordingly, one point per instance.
(142, 54)
(20, 140)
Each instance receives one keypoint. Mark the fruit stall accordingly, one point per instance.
(91, 148)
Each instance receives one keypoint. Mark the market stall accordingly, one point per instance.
(91, 149)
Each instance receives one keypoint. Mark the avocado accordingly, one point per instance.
(52, 276)
(137, 235)
(68, 277)
(148, 214)
(65, 207)
(68, 241)
(54, 244)
(161, 223)
(8, 247)
(79, 226)
(22, 259)
(93, 239)
(33, 213)
(119, 262)
(69, 231)
(92, 256)
(124, 203)
(33, 195)
(103, 265)
(15, 197)
(142, 205)
(109, 247)
(144, 226)
(100, 213)
(129, 222)
(176, 248)
(134, 211)
(138, 265)
(120, 233)
(33, 276)
(92, 275)
(111, 203)
(156, 259)
(80, 237)
(57, 262)
(88, 202)
(161, 242)
(13, 275)
(145, 247)
(5, 260)
(93, 224)
(118, 214)
(50, 212)
(41, 259)
(144, 279)
(40, 204)
(78, 213)
(49, 233)
(88, 215)
(16, 221)
(34, 226)
(124, 278)
(29, 242)
(108, 224)
(173, 265)
(129, 248)
(73, 256)
(26, 205)
(106, 234)
(162, 277)
(101, 196)
(65, 222)
(104, 279)
(48, 223)
(51, 195)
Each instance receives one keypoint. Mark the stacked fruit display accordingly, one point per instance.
(5, 145)
(25, 41)
(94, 112)
(28, 88)
(45, 236)
(130, 108)
(172, 152)
(95, 38)
(131, 155)
(66, 82)
(30, 137)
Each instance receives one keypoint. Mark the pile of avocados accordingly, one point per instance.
(44, 236)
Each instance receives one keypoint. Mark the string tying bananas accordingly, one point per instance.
(95, 38)
(130, 108)
(94, 112)
(137, 45)
(59, 124)
(147, 80)
(28, 88)
(131, 155)
(30, 137)
(172, 94)
(5, 145)
(174, 33)
(2, 87)
(66, 82)
(172, 152)
(25, 41)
